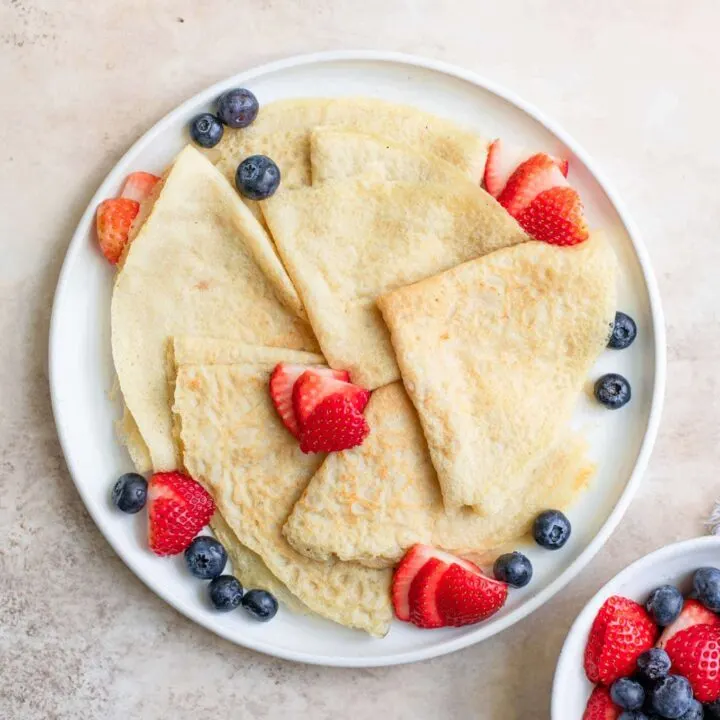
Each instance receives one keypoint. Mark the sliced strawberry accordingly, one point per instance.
(600, 706)
(312, 387)
(555, 216)
(113, 220)
(409, 567)
(334, 425)
(178, 508)
(535, 175)
(467, 596)
(139, 185)
(621, 631)
(695, 654)
(503, 159)
(282, 381)
(422, 598)
(693, 613)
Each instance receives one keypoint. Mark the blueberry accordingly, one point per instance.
(205, 557)
(514, 569)
(706, 584)
(672, 697)
(613, 391)
(627, 694)
(225, 592)
(257, 177)
(237, 108)
(633, 715)
(694, 713)
(712, 710)
(551, 529)
(623, 332)
(130, 493)
(260, 604)
(665, 604)
(653, 664)
(206, 130)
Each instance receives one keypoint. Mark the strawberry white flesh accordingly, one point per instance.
(693, 613)
(502, 161)
(312, 387)
(139, 185)
(532, 177)
(422, 597)
(282, 381)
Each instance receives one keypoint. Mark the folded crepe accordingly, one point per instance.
(372, 503)
(200, 264)
(235, 444)
(339, 154)
(248, 566)
(493, 354)
(282, 131)
(345, 243)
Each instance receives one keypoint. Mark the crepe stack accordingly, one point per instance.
(381, 252)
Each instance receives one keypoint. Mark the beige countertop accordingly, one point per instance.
(634, 82)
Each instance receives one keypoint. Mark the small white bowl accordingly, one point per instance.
(671, 565)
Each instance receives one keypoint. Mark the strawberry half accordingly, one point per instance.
(312, 387)
(282, 381)
(621, 631)
(693, 613)
(555, 216)
(178, 508)
(695, 654)
(432, 588)
(467, 596)
(413, 560)
(534, 176)
(139, 185)
(503, 158)
(424, 611)
(334, 425)
(600, 706)
(113, 220)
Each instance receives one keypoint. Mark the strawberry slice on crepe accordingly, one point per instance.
(502, 161)
(282, 382)
(538, 173)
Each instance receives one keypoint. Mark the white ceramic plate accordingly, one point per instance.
(81, 371)
(671, 565)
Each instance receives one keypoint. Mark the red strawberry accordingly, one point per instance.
(333, 426)
(534, 176)
(695, 653)
(178, 508)
(424, 612)
(282, 381)
(312, 387)
(555, 216)
(600, 706)
(139, 185)
(113, 220)
(415, 558)
(503, 158)
(693, 613)
(621, 631)
(468, 596)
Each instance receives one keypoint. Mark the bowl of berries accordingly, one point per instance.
(647, 646)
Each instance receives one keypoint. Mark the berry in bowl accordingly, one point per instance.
(647, 646)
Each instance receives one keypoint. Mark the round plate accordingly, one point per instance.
(81, 369)
(671, 565)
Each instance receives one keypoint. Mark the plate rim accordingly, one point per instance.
(658, 323)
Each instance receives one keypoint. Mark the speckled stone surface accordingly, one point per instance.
(634, 82)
